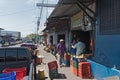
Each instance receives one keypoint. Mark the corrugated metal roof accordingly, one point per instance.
(67, 8)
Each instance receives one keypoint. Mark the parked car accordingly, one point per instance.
(29, 42)
(15, 57)
(31, 47)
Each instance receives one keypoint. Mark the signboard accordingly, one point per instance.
(77, 20)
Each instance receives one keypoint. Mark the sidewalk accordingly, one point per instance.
(64, 72)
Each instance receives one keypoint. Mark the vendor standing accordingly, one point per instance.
(79, 46)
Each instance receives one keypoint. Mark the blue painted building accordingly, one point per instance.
(106, 60)
(104, 17)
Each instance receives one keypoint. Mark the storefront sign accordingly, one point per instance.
(77, 20)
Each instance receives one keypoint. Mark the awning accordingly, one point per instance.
(68, 8)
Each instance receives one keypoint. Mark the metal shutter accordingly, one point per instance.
(109, 15)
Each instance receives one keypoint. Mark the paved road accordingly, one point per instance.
(65, 72)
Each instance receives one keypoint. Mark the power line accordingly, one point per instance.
(39, 18)
(47, 11)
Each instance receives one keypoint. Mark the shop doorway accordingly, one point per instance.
(51, 39)
(61, 36)
(84, 36)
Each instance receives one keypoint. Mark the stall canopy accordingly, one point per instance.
(67, 8)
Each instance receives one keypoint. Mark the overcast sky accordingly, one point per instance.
(21, 15)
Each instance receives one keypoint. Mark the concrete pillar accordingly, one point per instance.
(54, 38)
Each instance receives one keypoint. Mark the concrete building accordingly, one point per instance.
(97, 23)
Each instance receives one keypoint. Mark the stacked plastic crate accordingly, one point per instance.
(75, 67)
(84, 70)
(67, 60)
(53, 69)
(71, 65)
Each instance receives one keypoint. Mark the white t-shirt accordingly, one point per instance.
(80, 46)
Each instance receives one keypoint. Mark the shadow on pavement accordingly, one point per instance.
(61, 76)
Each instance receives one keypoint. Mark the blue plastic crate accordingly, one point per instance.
(8, 76)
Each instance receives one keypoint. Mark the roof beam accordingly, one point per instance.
(45, 5)
(84, 7)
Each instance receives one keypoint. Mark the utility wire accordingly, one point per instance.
(46, 11)
(39, 18)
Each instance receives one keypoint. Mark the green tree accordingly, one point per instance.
(32, 36)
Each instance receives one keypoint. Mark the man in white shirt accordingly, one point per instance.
(79, 46)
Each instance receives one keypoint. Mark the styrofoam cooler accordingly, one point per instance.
(39, 59)
(84, 70)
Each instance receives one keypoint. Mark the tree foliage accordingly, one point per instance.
(33, 37)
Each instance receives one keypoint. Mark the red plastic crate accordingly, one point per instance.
(71, 62)
(52, 65)
(71, 68)
(84, 70)
(75, 71)
(20, 72)
(67, 57)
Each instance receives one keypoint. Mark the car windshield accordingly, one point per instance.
(29, 42)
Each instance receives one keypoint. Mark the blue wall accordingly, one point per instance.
(100, 71)
(107, 50)
(106, 47)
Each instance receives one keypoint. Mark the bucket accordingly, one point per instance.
(20, 72)
(8, 76)
(41, 73)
